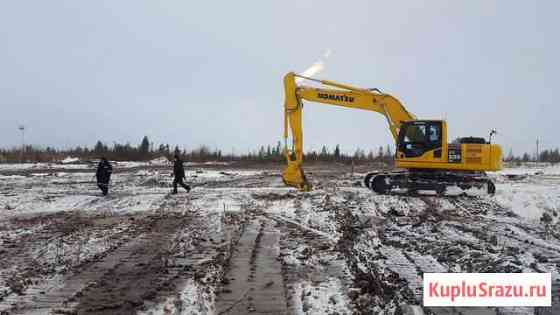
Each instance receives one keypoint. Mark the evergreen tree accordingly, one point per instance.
(555, 156)
(336, 153)
(279, 149)
(99, 148)
(324, 153)
(144, 148)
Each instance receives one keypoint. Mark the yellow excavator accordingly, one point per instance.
(424, 159)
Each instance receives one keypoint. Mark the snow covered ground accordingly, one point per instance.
(532, 169)
(63, 243)
(532, 192)
(71, 163)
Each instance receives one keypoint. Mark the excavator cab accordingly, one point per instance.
(420, 136)
(422, 144)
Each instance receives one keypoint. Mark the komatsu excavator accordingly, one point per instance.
(425, 158)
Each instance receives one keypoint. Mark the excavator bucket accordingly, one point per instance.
(293, 176)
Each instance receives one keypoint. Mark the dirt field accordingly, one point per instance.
(242, 243)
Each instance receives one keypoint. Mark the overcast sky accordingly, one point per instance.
(210, 72)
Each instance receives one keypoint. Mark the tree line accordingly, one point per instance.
(147, 150)
(548, 156)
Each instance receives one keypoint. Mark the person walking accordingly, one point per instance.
(103, 174)
(179, 175)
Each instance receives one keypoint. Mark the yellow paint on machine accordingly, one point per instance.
(465, 157)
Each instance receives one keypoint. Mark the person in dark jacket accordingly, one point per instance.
(103, 174)
(179, 174)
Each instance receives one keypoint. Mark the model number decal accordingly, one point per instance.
(454, 154)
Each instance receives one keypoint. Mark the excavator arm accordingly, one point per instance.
(334, 94)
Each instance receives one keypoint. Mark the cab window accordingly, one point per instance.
(434, 133)
(419, 137)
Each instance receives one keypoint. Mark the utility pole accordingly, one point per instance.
(537, 159)
(22, 129)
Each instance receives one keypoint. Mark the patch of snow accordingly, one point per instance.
(17, 166)
(11, 176)
(320, 298)
(214, 174)
(529, 200)
(402, 205)
(39, 174)
(162, 160)
(192, 298)
(69, 160)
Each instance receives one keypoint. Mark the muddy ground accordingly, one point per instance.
(242, 243)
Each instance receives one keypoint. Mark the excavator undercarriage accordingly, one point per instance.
(413, 181)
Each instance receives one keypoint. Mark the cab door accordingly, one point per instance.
(434, 140)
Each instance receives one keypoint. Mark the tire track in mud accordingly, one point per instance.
(23, 256)
(135, 274)
(59, 289)
(383, 279)
(135, 250)
(254, 281)
(314, 271)
(339, 269)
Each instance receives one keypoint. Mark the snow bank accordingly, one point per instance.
(529, 200)
(553, 170)
(537, 169)
(162, 160)
(69, 160)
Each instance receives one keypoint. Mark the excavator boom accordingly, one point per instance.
(340, 95)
